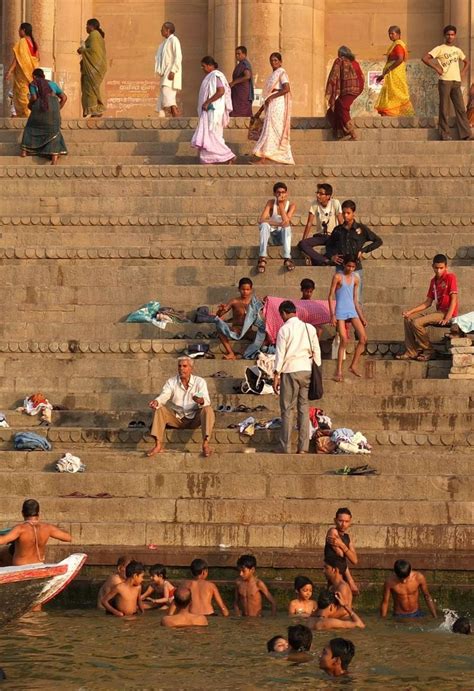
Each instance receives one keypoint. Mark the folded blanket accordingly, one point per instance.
(315, 312)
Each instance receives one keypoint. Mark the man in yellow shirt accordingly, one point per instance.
(445, 59)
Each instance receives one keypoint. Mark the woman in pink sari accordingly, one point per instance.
(274, 142)
(214, 106)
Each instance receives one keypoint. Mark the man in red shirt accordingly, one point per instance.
(443, 291)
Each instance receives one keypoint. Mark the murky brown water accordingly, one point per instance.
(85, 649)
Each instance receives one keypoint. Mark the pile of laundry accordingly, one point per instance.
(70, 464)
(249, 426)
(337, 441)
(223, 408)
(153, 313)
(36, 404)
(3, 421)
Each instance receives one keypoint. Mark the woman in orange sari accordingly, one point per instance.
(274, 141)
(394, 99)
(25, 60)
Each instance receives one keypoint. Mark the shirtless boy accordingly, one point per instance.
(182, 616)
(303, 605)
(326, 616)
(203, 592)
(160, 592)
(336, 582)
(126, 595)
(30, 537)
(249, 589)
(239, 310)
(404, 586)
(336, 656)
(113, 580)
(339, 545)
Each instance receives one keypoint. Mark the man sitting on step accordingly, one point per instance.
(183, 403)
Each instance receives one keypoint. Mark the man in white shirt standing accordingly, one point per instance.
(183, 403)
(168, 65)
(297, 346)
(445, 59)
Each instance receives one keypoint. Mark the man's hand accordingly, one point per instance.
(337, 259)
(335, 541)
(333, 321)
(276, 383)
(339, 598)
(171, 76)
(153, 404)
(199, 400)
(406, 314)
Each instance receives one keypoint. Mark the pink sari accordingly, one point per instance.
(209, 134)
(274, 142)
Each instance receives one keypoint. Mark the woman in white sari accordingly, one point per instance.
(274, 142)
(214, 106)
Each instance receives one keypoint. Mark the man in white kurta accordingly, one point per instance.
(168, 65)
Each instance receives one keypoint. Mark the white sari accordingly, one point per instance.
(274, 142)
(209, 134)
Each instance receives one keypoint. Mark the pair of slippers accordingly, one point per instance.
(136, 424)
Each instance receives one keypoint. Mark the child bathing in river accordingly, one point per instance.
(126, 596)
(203, 592)
(303, 605)
(160, 591)
(249, 589)
(113, 580)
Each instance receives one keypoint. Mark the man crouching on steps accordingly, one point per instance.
(188, 407)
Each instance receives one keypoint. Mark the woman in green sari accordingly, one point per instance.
(42, 134)
(93, 69)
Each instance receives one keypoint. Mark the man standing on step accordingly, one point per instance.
(168, 65)
(445, 59)
(297, 346)
(183, 403)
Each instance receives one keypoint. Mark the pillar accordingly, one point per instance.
(226, 33)
(460, 13)
(260, 33)
(41, 15)
(12, 17)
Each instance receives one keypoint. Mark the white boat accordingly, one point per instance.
(24, 587)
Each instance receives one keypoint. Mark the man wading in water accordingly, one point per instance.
(29, 538)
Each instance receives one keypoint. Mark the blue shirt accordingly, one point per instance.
(55, 88)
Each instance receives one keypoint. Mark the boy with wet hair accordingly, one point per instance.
(300, 639)
(275, 227)
(277, 644)
(462, 625)
(327, 617)
(245, 314)
(159, 586)
(404, 586)
(303, 605)
(340, 546)
(113, 580)
(443, 290)
(336, 656)
(326, 213)
(182, 617)
(249, 589)
(203, 592)
(335, 579)
(127, 595)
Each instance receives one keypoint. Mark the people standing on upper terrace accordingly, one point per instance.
(168, 66)
(445, 59)
(93, 69)
(242, 85)
(443, 291)
(394, 98)
(274, 141)
(25, 60)
(214, 106)
(345, 83)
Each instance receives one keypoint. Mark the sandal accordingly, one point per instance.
(289, 264)
(261, 265)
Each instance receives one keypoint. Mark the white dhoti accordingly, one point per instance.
(166, 98)
(168, 61)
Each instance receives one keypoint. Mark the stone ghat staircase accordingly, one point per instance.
(127, 218)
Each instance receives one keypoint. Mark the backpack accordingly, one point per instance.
(30, 441)
(256, 381)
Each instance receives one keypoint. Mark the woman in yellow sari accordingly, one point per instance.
(25, 60)
(93, 69)
(394, 98)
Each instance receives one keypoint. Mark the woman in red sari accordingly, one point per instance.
(345, 83)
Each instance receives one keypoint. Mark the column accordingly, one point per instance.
(460, 13)
(41, 15)
(12, 16)
(260, 33)
(226, 13)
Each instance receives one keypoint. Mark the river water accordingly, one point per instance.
(86, 649)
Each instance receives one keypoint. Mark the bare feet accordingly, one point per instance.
(206, 450)
(231, 161)
(23, 154)
(156, 449)
(338, 378)
(355, 372)
(54, 159)
(230, 356)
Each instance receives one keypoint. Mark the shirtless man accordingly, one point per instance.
(30, 537)
(204, 592)
(328, 606)
(336, 582)
(249, 589)
(182, 616)
(126, 595)
(339, 545)
(239, 308)
(404, 586)
(113, 580)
